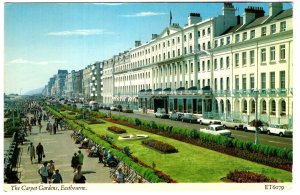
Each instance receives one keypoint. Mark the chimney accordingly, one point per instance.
(194, 18)
(228, 10)
(275, 8)
(252, 13)
(137, 43)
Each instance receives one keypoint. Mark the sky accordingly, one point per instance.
(40, 38)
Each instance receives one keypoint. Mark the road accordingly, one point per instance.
(249, 136)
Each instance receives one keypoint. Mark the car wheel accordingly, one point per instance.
(190, 121)
(245, 129)
(268, 132)
(200, 122)
(182, 120)
(281, 134)
(235, 128)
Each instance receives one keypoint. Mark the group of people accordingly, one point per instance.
(39, 151)
(48, 173)
(76, 164)
(58, 122)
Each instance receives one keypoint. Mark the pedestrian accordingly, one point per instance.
(54, 127)
(74, 162)
(51, 169)
(40, 152)
(80, 158)
(50, 127)
(78, 176)
(43, 172)
(56, 177)
(31, 151)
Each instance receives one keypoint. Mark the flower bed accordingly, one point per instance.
(93, 121)
(248, 177)
(116, 130)
(160, 146)
(268, 155)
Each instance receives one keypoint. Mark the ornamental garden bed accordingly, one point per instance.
(116, 130)
(160, 146)
(93, 121)
(247, 177)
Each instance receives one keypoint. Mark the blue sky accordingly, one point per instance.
(41, 38)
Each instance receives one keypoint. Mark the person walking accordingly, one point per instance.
(56, 177)
(49, 127)
(80, 158)
(54, 127)
(40, 152)
(43, 172)
(31, 151)
(120, 176)
(74, 162)
(51, 169)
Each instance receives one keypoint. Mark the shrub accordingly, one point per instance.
(153, 125)
(116, 130)
(160, 146)
(137, 121)
(248, 177)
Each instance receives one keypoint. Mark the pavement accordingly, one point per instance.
(60, 148)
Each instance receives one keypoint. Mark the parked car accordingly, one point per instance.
(233, 124)
(209, 121)
(127, 110)
(280, 130)
(176, 116)
(85, 105)
(252, 128)
(217, 130)
(160, 113)
(114, 108)
(189, 118)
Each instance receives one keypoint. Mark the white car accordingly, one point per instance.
(234, 124)
(278, 129)
(217, 130)
(252, 128)
(203, 121)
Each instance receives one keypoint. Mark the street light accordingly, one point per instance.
(256, 127)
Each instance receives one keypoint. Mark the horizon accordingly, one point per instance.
(40, 38)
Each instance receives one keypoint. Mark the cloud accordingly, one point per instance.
(22, 61)
(79, 32)
(144, 14)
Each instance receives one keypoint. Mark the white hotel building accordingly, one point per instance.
(211, 67)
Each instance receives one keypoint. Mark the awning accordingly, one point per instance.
(142, 90)
(206, 88)
(192, 88)
(180, 89)
(148, 90)
(167, 89)
(158, 89)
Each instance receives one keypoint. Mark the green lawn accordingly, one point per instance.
(191, 163)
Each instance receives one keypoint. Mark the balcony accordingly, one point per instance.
(272, 92)
(282, 91)
(236, 92)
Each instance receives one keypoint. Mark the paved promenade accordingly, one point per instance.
(59, 148)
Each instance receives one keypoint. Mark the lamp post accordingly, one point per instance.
(256, 105)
